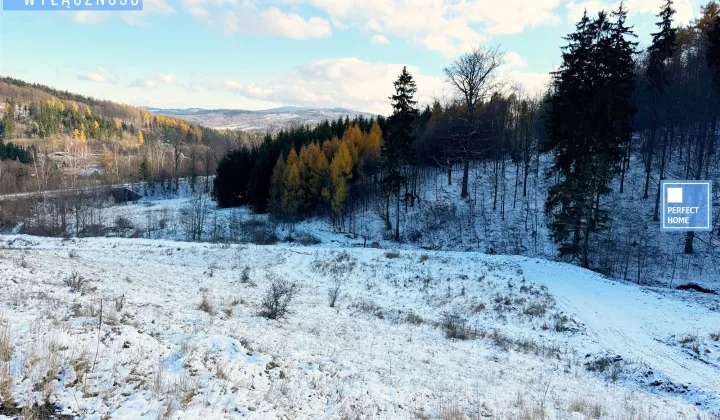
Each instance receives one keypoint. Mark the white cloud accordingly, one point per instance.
(513, 59)
(447, 26)
(98, 74)
(148, 84)
(249, 91)
(94, 77)
(168, 78)
(337, 24)
(131, 18)
(360, 85)
(509, 16)
(685, 11)
(90, 18)
(529, 82)
(350, 83)
(233, 16)
(379, 39)
(152, 83)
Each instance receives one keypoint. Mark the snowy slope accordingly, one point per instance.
(380, 353)
(638, 323)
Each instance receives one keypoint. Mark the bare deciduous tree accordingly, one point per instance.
(473, 76)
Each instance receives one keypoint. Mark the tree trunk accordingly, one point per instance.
(656, 215)
(466, 174)
(397, 219)
(689, 242)
(648, 160)
(625, 164)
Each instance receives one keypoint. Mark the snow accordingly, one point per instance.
(157, 353)
(637, 322)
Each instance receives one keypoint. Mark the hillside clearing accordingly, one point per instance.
(413, 334)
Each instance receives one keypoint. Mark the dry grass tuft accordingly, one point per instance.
(6, 344)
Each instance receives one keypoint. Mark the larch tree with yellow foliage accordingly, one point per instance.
(292, 188)
(140, 138)
(340, 173)
(320, 178)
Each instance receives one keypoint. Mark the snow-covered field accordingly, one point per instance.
(136, 328)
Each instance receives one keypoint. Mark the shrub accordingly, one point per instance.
(277, 298)
(455, 327)
(119, 303)
(308, 239)
(369, 307)
(76, 282)
(691, 342)
(392, 254)
(258, 232)
(603, 364)
(245, 275)
(414, 318)
(123, 222)
(6, 346)
(91, 231)
(205, 305)
(334, 293)
(535, 310)
(561, 322)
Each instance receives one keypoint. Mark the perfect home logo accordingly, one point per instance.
(687, 205)
(72, 5)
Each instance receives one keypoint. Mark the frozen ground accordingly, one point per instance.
(135, 328)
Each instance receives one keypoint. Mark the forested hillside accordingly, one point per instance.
(613, 110)
(61, 139)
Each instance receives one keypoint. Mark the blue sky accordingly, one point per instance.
(260, 54)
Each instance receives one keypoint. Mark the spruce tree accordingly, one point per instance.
(712, 53)
(398, 150)
(8, 121)
(660, 51)
(662, 48)
(588, 124)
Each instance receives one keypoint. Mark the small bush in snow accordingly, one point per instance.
(602, 364)
(308, 239)
(715, 336)
(561, 323)
(392, 254)
(119, 303)
(205, 305)
(456, 327)
(76, 282)
(339, 265)
(258, 232)
(414, 318)
(6, 383)
(535, 310)
(691, 342)
(334, 293)
(245, 275)
(123, 222)
(368, 307)
(6, 345)
(478, 308)
(277, 298)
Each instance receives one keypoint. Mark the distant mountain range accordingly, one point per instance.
(269, 120)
